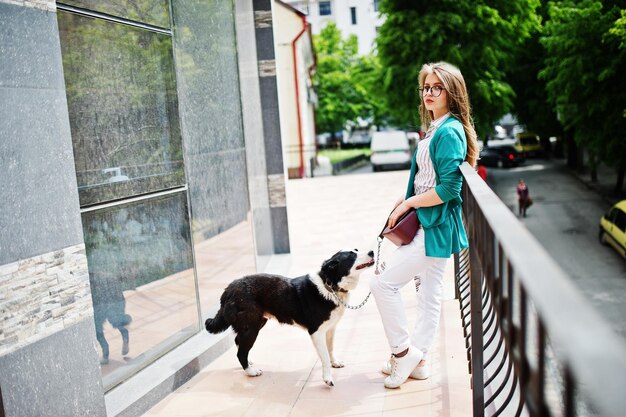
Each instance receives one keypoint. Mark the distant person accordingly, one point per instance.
(434, 190)
(482, 171)
(109, 304)
(523, 197)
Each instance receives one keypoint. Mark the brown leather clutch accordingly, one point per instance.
(405, 229)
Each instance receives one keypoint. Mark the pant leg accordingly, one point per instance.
(405, 263)
(429, 299)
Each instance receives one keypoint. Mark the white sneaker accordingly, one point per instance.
(402, 367)
(420, 372)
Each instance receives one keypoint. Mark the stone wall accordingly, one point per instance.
(42, 295)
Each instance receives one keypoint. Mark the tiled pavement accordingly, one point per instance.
(327, 214)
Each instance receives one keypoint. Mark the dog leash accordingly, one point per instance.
(377, 271)
(380, 241)
(343, 303)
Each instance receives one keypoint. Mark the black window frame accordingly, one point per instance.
(325, 8)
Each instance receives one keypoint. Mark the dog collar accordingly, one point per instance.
(339, 289)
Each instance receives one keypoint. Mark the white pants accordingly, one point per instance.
(404, 264)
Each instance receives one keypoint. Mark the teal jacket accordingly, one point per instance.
(444, 233)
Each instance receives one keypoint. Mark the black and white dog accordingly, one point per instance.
(313, 301)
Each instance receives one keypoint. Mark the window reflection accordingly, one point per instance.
(121, 95)
(154, 12)
(142, 282)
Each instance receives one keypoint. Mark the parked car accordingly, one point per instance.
(528, 144)
(613, 228)
(503, 156)
(390, 149)
(357, 138)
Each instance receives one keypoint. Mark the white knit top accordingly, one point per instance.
(425, 177)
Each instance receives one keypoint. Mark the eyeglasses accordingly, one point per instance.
(434, 91)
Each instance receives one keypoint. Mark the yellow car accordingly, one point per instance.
(613, 228)
(528, 144)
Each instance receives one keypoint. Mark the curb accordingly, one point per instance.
(348, 163)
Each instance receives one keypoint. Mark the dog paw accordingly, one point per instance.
(250, 371)
(327, 376)
(337, 364)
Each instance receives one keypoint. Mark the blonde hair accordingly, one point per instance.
(458, 103)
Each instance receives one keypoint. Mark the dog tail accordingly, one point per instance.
(217, 324)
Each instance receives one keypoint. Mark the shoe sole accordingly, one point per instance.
(412, 376)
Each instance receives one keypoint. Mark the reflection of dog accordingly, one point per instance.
(310, 301)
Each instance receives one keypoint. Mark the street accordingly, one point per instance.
(565, 218)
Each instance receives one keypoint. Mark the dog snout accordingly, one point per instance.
(370, 254)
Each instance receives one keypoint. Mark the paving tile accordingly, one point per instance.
(325, 215)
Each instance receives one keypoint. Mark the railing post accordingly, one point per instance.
(457, 267)
(476, 319)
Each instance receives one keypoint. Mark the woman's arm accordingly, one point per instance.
(427, 199)
(450, 154)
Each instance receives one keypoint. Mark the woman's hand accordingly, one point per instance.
(400, 209)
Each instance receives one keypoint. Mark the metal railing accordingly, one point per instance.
(535, 346)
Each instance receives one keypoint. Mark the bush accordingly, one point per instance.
(339, 155)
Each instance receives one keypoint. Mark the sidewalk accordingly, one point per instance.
(605, 186)
(325, 215)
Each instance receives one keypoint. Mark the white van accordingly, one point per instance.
(390, 149)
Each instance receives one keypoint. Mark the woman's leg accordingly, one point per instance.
(429, 299)
(403, 266)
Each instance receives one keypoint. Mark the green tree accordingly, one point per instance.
(584, 70)
(339, 99)
(480, 37)
(365, 76)
(619, 29)
(531, 105)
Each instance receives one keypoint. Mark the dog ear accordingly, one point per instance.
(330, 265)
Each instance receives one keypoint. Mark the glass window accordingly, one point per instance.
(142, 282)
(325, 8)
(353, 15)
(123, 109)
(376, 5)
(612, 215)
(153, 12)
(121, 95)
(620, 220)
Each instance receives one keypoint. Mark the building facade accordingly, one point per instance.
(353, 17)
(140, 145)
(295, 65)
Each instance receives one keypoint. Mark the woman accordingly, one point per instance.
(433, 190)
(522, 197)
